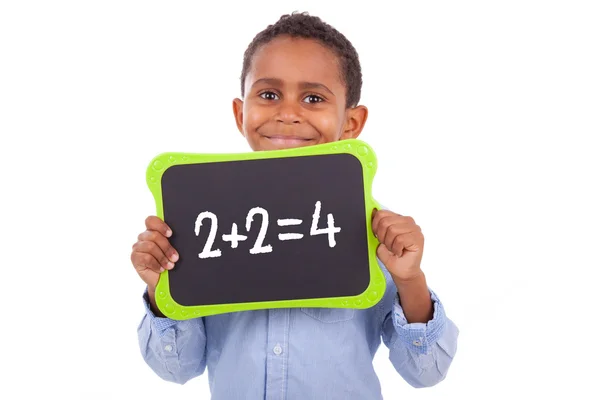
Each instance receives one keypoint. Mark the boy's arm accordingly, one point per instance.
(151, 300)
(174, 350)
(421, 339)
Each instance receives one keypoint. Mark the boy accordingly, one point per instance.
(301, 83)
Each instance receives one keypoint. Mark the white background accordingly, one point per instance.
(484, 117)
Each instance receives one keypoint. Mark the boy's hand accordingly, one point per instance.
(153, 253)
(401, 244)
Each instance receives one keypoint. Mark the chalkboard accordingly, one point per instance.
(272, 229)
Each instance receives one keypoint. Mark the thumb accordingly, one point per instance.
(383, 253)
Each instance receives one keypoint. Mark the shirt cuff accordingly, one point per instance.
(418, 336)
(159, 324)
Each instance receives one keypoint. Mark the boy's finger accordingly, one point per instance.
(154, 223)
(380, 227)
(397, 245)
(393, 239)
(144, 261)
(152, 248)
(162, 242)
(378, 215)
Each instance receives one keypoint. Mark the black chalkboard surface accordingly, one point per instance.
(286, 228)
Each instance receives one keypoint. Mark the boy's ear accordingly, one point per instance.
(355, 121)
(238, 113)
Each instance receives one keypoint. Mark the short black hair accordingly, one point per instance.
(303, 25)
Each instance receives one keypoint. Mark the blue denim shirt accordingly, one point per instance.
(301, 353)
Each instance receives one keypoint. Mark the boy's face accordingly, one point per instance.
(294, 96)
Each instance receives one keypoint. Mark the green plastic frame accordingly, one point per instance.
(362, 151)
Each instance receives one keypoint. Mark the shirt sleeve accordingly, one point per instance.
(174, 350)
(420, 352)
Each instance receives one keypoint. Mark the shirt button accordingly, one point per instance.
(168, 347)
(277, 350)
(417, 343)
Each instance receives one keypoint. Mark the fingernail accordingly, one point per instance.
(169, 233)
(174, 257)
(170, 265)
(161, 270)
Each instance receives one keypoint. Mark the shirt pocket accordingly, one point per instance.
(329, 315)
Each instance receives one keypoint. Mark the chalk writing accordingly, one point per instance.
(259, 246)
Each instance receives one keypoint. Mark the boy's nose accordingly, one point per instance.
(289, 113)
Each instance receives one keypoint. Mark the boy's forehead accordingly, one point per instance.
(295, 60)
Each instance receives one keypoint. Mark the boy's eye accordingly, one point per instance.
(268, 96)
(313, 98)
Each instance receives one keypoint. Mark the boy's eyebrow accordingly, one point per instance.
(303, 85)
(315, 85)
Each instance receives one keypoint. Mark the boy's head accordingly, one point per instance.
(301, 82)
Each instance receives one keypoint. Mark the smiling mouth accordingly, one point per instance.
(288, 140)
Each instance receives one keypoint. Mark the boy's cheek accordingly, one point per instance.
(253, 118)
